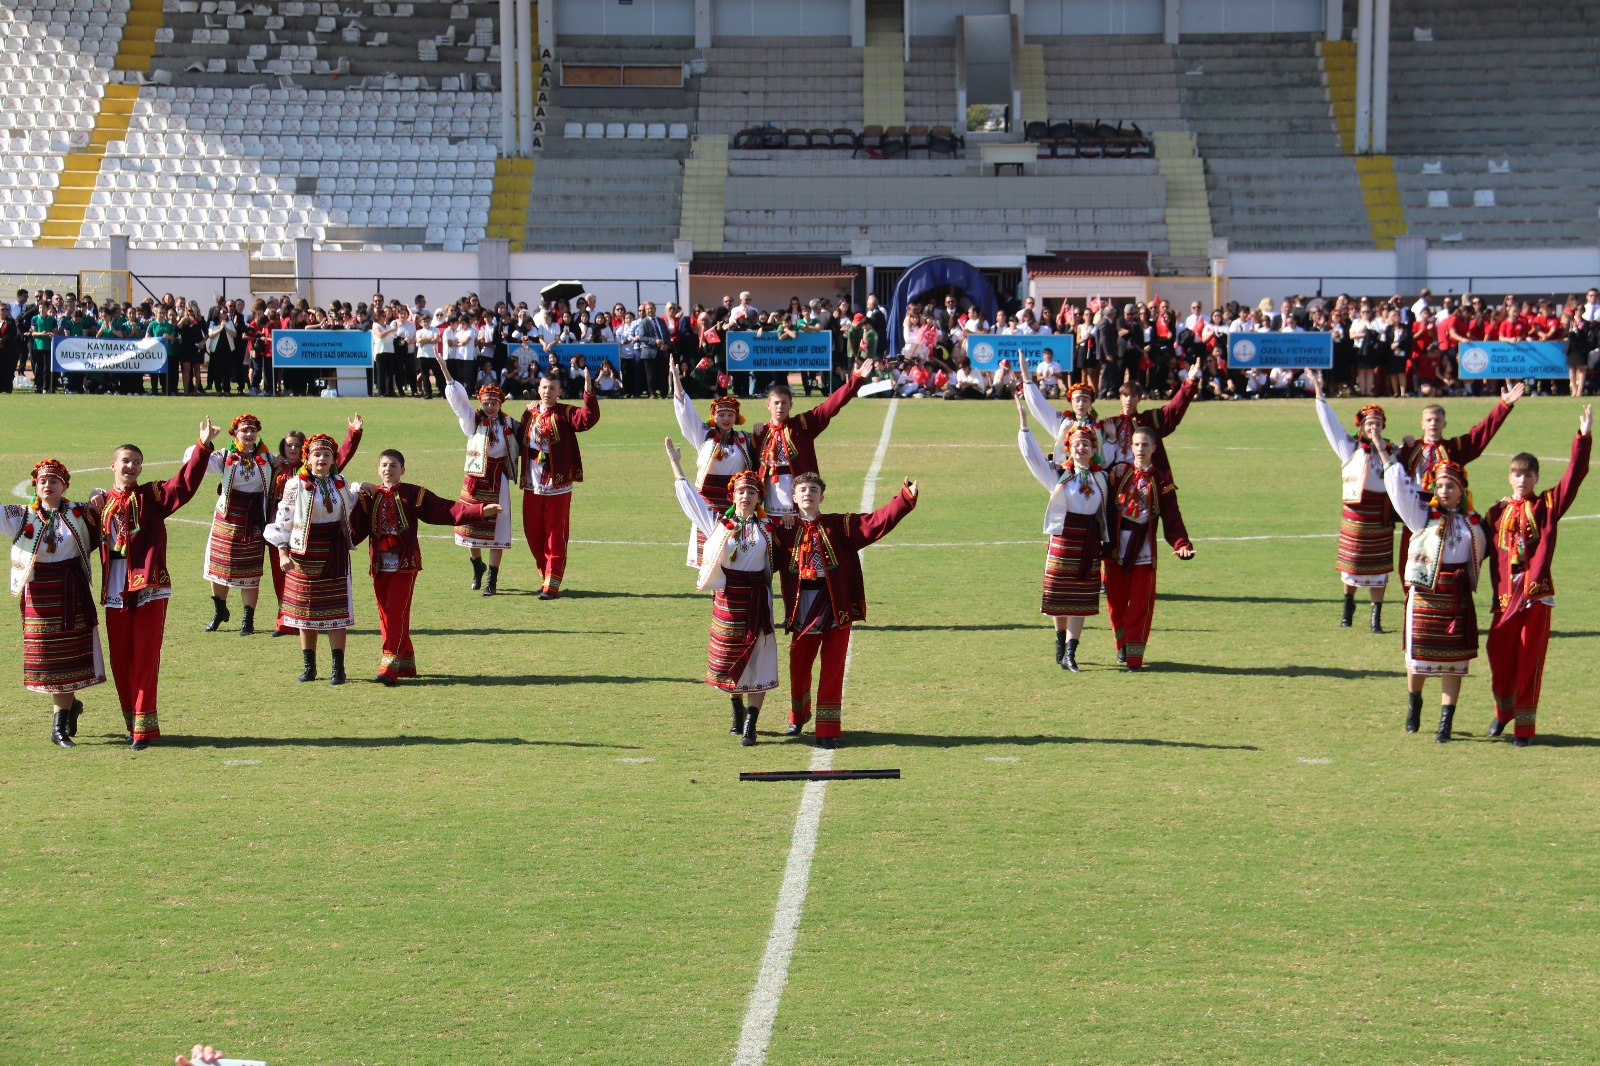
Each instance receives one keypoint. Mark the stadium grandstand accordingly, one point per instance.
(683, 148)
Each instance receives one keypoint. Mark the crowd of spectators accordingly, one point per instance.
(1381, 347)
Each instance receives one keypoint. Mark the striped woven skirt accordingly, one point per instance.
(1441, 624)
(60, 630)
(235, 550)
(715, 492)
(1072, 569)
(316, 587)
(743, 652)
(492, 487)
(1366, 541)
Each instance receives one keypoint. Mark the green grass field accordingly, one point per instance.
(540, 852)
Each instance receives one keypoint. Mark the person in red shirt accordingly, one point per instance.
(1522, 534)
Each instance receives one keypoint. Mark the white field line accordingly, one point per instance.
(756, 1035)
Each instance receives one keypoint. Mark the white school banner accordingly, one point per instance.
(110, 355)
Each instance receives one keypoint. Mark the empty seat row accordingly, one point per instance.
(635, 131)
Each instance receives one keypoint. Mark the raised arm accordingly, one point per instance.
(456, 393)
(438, 511)
(585, 417)
(1171, 413)
(689, 424)
(1471, 444)
(816, 420)
(863, 529)
(1403, 494)
(1040, 409)
(181, 487)
(1343, 445)
(694, 508)
(1563, 494)
(352, 441)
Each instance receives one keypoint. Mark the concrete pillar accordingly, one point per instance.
(119, 251)
(683, 252)
(1410, 264)
(494, 270)
(1380, 76)
(526, 73)
(1172, 21)
(702, 34)
(858, 23)
(1364, 77)
(1333, 27)
(303, 281)
(508, 77)
(547, 24)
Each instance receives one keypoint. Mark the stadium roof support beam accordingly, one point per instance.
(1373, 20)
(508, 78)
(525, 76)
(1364, 77)
(1333, 20)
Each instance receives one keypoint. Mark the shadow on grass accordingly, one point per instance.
(541, 679)
(401, 741)
(1266, 671)
(1044, 628)
(532, 630)
(918, 740)
(1554, 740)
(1568, 634)
(609, 594)
(1186, 597)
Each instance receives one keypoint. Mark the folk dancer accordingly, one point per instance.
(312, 535)
(286, 466)
(1077, 523)
(1447, 548)
(547, 442)
(819, 564)
(1142, 496)
(134, 581)
(387, 516)
(1161, 421)
(742, 657)
(1420, 457)
(787, 447)
(51, 541)
(1366, 525)
(1522, 530)
(490, 470)
(722, 451)
(1080, 413)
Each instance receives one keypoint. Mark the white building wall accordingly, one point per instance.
(641, 18)
(1059, 18)
(937, 18)
(1253, 16)
(782, 21)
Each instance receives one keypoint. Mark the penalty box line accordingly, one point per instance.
(755, 1036)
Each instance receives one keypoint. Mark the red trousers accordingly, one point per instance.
(1131, 602)
(834, 645)
(135, 637)
(1517, 645)
(393, 592)
(277, 587)
(546, 523)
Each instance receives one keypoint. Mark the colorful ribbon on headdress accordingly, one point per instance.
(245, 419)
(743, 479)
(319, 440)
(491, 392)
(1082, 386)
(51, 467)
(1370, 409)
(727, 403)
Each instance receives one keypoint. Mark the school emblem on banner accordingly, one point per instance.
(1474, 360)
(982, 353)
(1242, 351)
(286, 347)
(738, 351)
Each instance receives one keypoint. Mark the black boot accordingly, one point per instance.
(72, 717)
(1122, 656)
(1447, 717)
(58, 730)
(1061, 645)
(1377, 618)
(248, 626)
(749, 737)
(310, 657)
(477, 574)
(219, 615)
(738, 716)
(492, 586)
(794, 729)
(1413, 712)
(1349, 609)
(1069, 657)
(338, 667)
(1521, 742)
(1496, 727)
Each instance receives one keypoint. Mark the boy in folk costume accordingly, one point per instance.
(286, 466)
(742, 659)
(51, 541)
(491, 467)
(819, 564)
(547, 441)
(1079, 414)
(1141, 496)
(235, 549)
(312, 535)
(387, 515)
(1447, 548)
(1522, 531)
(1119, 428)
(786, 447)
(1421, 457)
(722, 451)
(1366, 525)
(134, 582)
(1077, 523)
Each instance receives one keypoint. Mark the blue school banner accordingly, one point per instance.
(986, 350)
(321, 348)
(1525, 359)
(109, 355)
(809, 351)
(1270, 350)
(593, 355)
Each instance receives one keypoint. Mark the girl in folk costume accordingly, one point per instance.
(312, 535)
(723, 451)
(743, 656)
(1366, 526)
(51, 541)
(1076, 522)
(1448, 546)
(1142, 495)
(235, 549)
(287, 465)
(490, 469)
(547, 441)
(134, 581)
(787, 447)
(1081, 414)
(387, 515)
(1421, 457)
